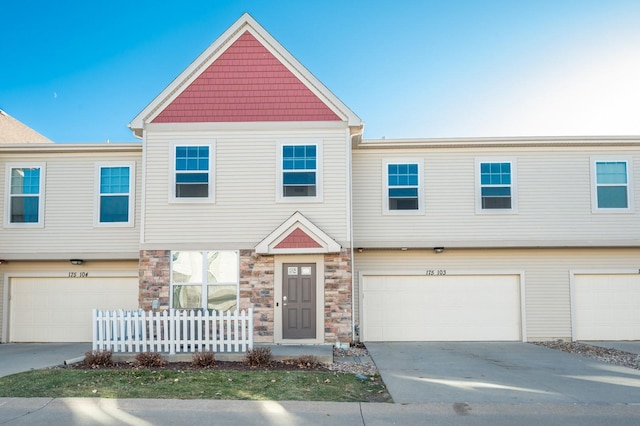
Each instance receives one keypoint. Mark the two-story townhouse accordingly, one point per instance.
(253, 187)
(247, 161)
(497, 239)
(69, 238)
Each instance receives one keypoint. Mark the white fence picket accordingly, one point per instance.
(172, 331)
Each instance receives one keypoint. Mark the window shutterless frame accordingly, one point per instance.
(205, 280)
(403, 186)
(299, 172)
(611, 184)
(114, 204)
(24, 195)
(192, 172)
(496, 185)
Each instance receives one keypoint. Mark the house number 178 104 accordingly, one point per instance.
(78, 274)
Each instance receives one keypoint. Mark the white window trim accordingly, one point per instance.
(41, 195)
(203, 285)
(385, 187)
(514, 185)
(132, 187)
(280, 198)
(211, 198)
(594, 184)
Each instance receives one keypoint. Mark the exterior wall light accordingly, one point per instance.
(438, 249)
(76, 261)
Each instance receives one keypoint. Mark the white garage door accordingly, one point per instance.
(606, 307)
(59, 309)
(441, 308)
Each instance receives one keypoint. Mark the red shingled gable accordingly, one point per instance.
(298, 239)
(246, 83)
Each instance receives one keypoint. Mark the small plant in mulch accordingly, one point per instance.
(204, 359)
(258, 357)
(97, 359)
(149, 359)
(304, 362)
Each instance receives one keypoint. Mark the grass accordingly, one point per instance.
(194, 384)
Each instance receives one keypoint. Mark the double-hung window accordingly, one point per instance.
(611, 185)
(193, 172)
(496, 190)
(115, 183)
(25, 201)
(205, 280)
(300, 177)
(403, 190)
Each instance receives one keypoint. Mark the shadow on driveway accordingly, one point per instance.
(495, 372)
(19, 357)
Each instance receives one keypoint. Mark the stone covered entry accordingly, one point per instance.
(297, 240)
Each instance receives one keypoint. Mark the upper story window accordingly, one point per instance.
(611, 185)
(115, 185)
(403, 191)
(496, 190)
(25, 195)
(193, 173)
(300, 171)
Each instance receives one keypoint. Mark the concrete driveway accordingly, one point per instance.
(19, 357)
(495, 372)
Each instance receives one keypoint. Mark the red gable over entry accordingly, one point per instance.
(246, 83)
(298, 239)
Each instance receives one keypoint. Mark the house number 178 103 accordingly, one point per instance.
(78, 274)
(436, 272)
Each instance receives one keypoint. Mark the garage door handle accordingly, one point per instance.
(284, 301)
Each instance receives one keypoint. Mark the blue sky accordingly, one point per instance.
(79, 71)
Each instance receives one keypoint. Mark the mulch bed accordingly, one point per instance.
(220, 365)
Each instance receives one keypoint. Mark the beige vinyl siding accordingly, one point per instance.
(553, 207)
(4, 303)
(69, 204)
(55, 268)
(546, 275)
(245, 209)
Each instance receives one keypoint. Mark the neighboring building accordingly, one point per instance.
(13, 131)
(253, 187)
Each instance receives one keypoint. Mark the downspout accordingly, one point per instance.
(352, 135)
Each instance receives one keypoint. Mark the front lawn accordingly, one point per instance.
(277, 385)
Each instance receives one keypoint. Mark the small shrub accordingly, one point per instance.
(258, 357)
(204, 359)
(97, 359)
(149, 359)
(306, 361)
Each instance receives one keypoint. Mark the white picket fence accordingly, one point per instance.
(172, 331)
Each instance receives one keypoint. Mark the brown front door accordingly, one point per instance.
(299, 301)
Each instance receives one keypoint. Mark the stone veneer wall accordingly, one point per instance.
(257, 291)
(154, 281)
(338, 295)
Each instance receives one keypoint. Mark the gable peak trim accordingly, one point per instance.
(245, 24)
(279, 241)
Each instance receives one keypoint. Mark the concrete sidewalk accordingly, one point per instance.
(97, 411)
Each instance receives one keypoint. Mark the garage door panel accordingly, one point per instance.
(606, 307)
(441, 308)
(56, 309)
